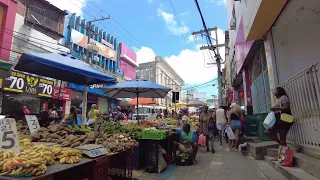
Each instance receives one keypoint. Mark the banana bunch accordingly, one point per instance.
(25, 143)
(23, 166)
(42, 154)
(6, 155)
(66, 155)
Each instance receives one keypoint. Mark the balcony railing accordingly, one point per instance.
(304, 92)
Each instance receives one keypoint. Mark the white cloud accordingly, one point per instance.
(144, 54)
(189, 64)
(184, 14)
(73, 6)
(218, 2)
(171, 24)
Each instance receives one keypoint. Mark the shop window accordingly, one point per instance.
(13, 103)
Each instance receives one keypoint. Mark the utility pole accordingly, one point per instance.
(217, 56)
(85, 89)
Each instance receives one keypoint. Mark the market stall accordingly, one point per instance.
(31, 151)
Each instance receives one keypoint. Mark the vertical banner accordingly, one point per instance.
(247, 87)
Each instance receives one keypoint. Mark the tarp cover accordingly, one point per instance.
(63, 67)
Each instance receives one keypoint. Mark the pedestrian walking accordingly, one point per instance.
(212, 128)
(203, 123)
(282, 105)
(235, 124)
(26, 111)
(221, 120)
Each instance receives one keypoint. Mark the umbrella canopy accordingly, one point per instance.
(137, 88)
(142, 101)
(178, 105)
(63, 67)
(196, 103)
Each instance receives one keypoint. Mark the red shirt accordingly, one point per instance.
(26, 111)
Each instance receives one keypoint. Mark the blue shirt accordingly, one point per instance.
(194, 136)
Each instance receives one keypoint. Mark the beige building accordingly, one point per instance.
(160, 72)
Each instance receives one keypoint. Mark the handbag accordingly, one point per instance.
(230, 133)
(286, 117)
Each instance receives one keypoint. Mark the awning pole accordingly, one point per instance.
(138, 107)
(84, 104)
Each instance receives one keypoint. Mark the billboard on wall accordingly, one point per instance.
(82, 40)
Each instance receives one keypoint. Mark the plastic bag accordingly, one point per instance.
(202, 140)
(269, 121)
(162, 164)
(230, 133)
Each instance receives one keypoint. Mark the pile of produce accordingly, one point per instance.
(131, 129)
(66, 155)
(116, 142)
(34, 159)
(170, 121)
(23, 129)
(81, 129)
(57, 133)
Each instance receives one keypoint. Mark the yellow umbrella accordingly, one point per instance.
(178, 105)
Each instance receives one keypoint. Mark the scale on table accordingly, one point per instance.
(92, 150)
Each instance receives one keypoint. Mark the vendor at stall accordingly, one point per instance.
(72, 116)
(93, 114)
(188, 141)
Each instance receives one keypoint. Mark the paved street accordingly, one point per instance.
(222, 165)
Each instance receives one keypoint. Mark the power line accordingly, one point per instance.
(200, 84)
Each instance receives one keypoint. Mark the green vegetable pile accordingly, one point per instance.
(114, 127)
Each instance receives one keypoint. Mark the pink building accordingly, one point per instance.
(8, 9)
(128, 62)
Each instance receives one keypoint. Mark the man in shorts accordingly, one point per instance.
(188, 141)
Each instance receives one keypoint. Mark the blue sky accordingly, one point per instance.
(157, 27)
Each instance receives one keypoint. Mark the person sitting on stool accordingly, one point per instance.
(188, 142)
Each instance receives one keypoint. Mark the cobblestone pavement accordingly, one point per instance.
(222, 165)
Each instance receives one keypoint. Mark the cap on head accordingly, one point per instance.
(233, 105)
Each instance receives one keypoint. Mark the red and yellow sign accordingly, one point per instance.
(82, 40)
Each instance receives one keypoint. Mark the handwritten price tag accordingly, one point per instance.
(9, 135)
(33, 123)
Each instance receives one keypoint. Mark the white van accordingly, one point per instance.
(145, 112)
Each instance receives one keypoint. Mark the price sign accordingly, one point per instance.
(98, 126)
(33, 123)
(45, 88)
(9, 135)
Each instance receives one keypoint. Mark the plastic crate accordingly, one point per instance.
(153, 135)
(121, 178)
(101, 168)
(261, 134)
(152, 158)
(121, 164)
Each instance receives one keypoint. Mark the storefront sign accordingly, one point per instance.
(9, 135)
(107, 44)
(82, 40)
(24, 83)
(33, 123)
(45, 87)
(230, 96)
(65, 94)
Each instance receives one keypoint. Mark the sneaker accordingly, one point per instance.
(208, 150)
(213, 151)
(228, 149)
